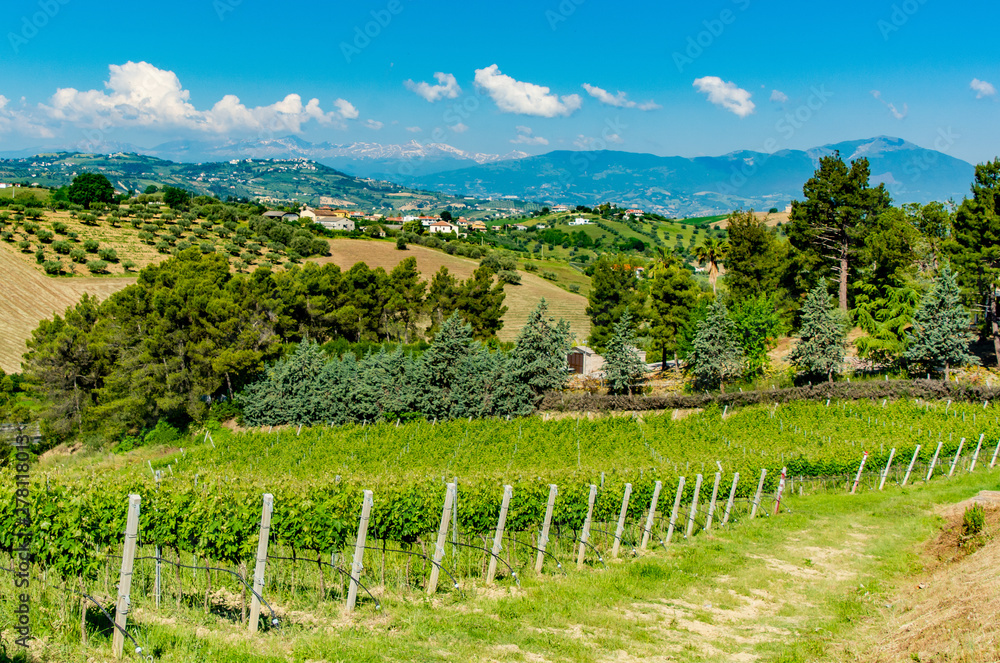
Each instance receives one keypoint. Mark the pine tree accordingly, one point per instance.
(716, 356)
(612, 291)
(623, 369)
(821, 346)
(539, 358)
(940, 333)
(290, 393)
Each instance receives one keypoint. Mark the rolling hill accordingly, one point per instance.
(679, 186)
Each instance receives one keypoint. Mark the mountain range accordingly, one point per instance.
(671, 185)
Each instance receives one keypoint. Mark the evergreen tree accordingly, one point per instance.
(623, 369)
(827, 229)
(290, 392)
(716, 356)
(442, 299)
(612, 291)
(480, 303)
(940, 333)
(90, 188)
(441, 367)
(673, 294)
(975, 247)
(821, 346)
(755, 258)
(539, 357)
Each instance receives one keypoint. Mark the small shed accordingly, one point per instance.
(583, 360)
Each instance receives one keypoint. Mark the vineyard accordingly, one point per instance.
(466, 502)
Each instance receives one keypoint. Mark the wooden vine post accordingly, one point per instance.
(694, 506)
(910, 467)
(885, 472)
(543, 540)
(781, 490)
(357, 564)
(930, 470)
(732, 498)
(259, 568)
(673, 512)
(958, 453)
(756, 498)
(125, 579)
(498, 537)
(975, 455)
(585, 534)
(620, 529)
(711, 505)
(442, 538)
(861, 468)
(650, 517)
(996, 451)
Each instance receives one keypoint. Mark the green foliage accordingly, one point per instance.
(91, 245)
(940, 334)
(175, 197)
(510, 277)
(97, 266)
(755, 259)
(716, 356)
(90, 188)
(821, 347)
(827, 229)
(973, 520)
(673, 294)
(538, 360)
(757, 328)
(612, 292)
(623, 370)
(884, 315)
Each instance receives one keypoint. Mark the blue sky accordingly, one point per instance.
(697, 78)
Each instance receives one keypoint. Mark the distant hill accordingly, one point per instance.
(679, 186)
(296, 179)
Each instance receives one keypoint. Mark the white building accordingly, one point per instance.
(579, 221)
(441, 227)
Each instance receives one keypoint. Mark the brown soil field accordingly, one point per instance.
(28, 296)
(521, 299)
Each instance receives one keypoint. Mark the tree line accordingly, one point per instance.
(190, 331)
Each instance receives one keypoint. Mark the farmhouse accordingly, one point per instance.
(637, 213)
(281, 216)
(335, 222)
(477, 225)
(579, 221)
(441, 227)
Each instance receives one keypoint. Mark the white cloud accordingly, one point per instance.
(614, 138)
(525, 137)
(895, 112)
(374, 124)
(414, 130)
(459, 128)
(446, 88)
(982, 88)
(619, 100)
(512, 96)
(726, 94)
(140, 94)
(20, 122)
(779, 96)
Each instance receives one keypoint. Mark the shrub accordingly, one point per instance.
(162, 246)
(59, 227)
(45, 236)
(40, 255)
(163, 433)
(530, 267)
(207, 247)
(24, 245)
(52, 267)
(7, 236)
(574, 287)
(108, 254)
(183, 244)
(78, 255)
(31, 228)
(91, 245)
(62, 247)
(401, 244)
(551, 276)
(509, 276)
(128, 265)
(97, 266)
(974, 520)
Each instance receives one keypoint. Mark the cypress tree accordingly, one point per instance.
(821, 346)
(940, 333)
(716, 355)
(623, 369)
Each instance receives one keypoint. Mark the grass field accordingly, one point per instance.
(521, 299)
(28, 296)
